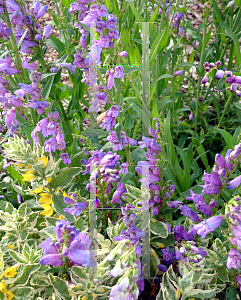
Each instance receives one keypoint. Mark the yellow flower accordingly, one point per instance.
(70, 293)
(48, 210)
(46, 199)
(44, 160)
(10, 246)
(65, 194)
(154, 254)
(38, 190)
(192, 299)
(2, 287)
(49, 179)
(60, 217)
(178, 294)
(28, 175)
(160, 245)
(10, 272)
(84, 298)
(9, 295)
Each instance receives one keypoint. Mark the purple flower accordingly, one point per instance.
(173, 204)
(219, 74)
(111, 80)
(124, 167)
(76, 209)
(188, 212)
(10, 118)
(177, 73)
(69, 66)
(65, 158)
(181, 234)
(234, 183)
(118, 193)
(206, 226)
(123, 54)
(30, 66)
(162, 268)
(47, 31)
(119, 72)
(234, 258)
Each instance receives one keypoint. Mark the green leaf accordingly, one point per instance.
(65, 177)
(235, 39)
(47, 88)
(18, 257)
(15, 175)
(136, 13)
(60, 287)
(18, 189)
(227, 137)
(238, 3)
(66, 3)
(22, 209)
(162, 77)
(231, 293)
(23, 292)
(79, 272)
(159, 43)
(27, 271)
(202, 294)
(158, 228)
(56, 44)
(22, 38)
(186, 283)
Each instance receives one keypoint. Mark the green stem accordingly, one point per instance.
(66, 121)
(128, 157)
(201, 68)
(223, 114)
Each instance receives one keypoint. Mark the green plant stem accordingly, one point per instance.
(66, 121)
(201, 68)
(223, 114)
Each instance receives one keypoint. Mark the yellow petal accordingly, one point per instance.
(49, 179)
(27, 177)
(10, 246)
(46, 199)
(38, 190)
(48, 210)
(44, 160)
(65, 194)
(2, 287)
(60, 217)
(9, 295)
(10, 272)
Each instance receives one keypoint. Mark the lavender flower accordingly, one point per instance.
(65, 158)
(234, 259)
(206, 226)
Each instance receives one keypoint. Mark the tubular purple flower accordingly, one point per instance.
(234, 183)
(178, 73)
(220, 161)
(47, 31)
(51, 259)
(234, 258)
(42, 12)
(206, 226)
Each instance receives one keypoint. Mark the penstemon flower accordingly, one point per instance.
(71, 248)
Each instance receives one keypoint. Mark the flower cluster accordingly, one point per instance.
(132, 233)
(76, 207)
(233, 215)
(104, 173)
(113, 138)
(47, 127)
(233, 82)
(108, 118)
(71, 247)
(189, 251)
